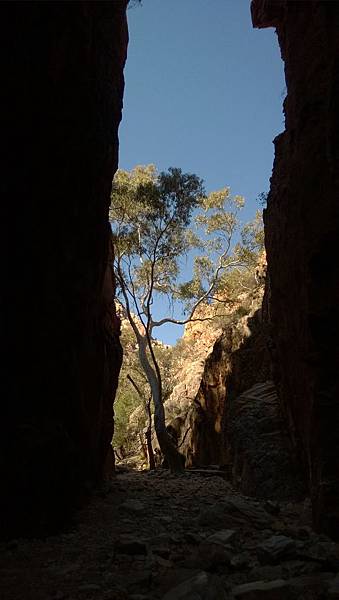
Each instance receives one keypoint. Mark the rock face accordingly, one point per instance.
(259, 447)
(62, 87)
(197, 404)
(302, 226)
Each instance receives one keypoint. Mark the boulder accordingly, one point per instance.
(236, 511)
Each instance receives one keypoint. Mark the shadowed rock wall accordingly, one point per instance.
(62, 86)
(302, 227)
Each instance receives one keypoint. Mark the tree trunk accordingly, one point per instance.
(166, 446)
(151, 460)
(148, 449)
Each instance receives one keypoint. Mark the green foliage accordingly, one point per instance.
(262, 199)
(240, 312)
(145, 204)
(252, 235)
(127, 399)
(150, 213)
(126, 402)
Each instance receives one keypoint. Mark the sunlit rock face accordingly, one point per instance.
(62, 84)
(196, 405)
(212, 371)
(302, 226)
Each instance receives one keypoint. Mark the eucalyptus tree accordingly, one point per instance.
(157, 220)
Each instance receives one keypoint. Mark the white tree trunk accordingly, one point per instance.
(166, 445)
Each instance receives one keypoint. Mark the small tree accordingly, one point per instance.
(151, 215)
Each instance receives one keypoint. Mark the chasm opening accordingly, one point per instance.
(207, 102)
(222, 478)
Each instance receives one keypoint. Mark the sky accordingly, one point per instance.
(204, 92)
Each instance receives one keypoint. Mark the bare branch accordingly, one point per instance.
(127, 304)
(180, 322)
(221, 301)
(150, 322)
(136, 387)
(135, 298)
(185, 435)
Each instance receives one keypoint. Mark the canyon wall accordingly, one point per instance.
(302, 227)
(62, 87)
(225, 409)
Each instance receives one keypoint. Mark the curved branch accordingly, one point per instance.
(127, 304)
(179, 322)
(204, 296)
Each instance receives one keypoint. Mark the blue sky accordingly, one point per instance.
(204, 92)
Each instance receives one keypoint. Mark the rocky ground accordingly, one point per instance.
(150, 536)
